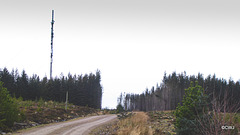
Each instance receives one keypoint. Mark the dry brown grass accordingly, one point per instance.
(161, 122)
(135, 125)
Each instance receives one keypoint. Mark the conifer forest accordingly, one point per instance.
(83, 90)
(170, 93)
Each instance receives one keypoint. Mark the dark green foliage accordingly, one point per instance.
(119, 108)
(171, 90)
(9, 112)
(83, 90)
(194, 105)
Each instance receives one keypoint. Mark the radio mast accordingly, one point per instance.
(51, 45)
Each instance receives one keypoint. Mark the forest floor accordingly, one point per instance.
(140, 123)
(45, 112)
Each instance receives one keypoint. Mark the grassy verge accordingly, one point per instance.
(135, 124)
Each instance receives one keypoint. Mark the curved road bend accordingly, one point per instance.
(75, 127)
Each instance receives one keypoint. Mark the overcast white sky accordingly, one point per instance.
(132, 42)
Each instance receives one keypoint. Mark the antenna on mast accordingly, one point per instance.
(51, 45)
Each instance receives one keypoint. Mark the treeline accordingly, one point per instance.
(170, 92)
(83, 90)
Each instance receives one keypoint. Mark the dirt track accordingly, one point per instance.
(75, 127)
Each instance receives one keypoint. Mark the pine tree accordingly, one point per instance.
(9, 112)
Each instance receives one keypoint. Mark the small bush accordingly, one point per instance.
(211, 122)
(193, 106)
(9, 112)
(119, 108)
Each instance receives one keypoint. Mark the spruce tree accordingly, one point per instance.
(9, 112)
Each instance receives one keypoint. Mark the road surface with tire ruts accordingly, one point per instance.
(73, 127)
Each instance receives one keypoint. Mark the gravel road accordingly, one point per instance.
(74, 127)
